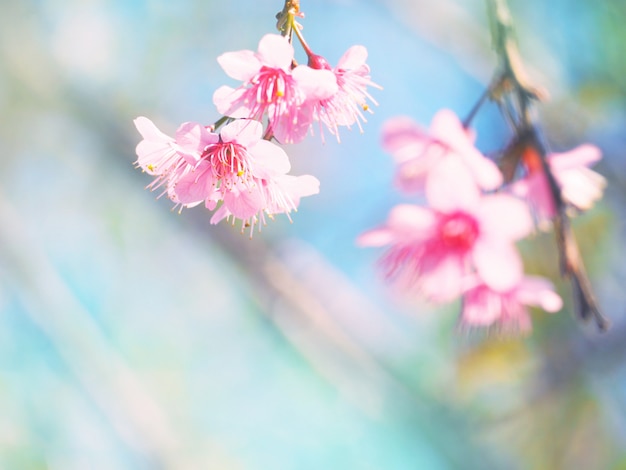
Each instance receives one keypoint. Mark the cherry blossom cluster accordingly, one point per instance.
(235, 166)
(461, 243)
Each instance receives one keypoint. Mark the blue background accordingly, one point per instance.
(134, 337)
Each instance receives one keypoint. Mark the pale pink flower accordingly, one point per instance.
(507, 310)
(271, 86)
(277, 195)
(580, 186)
(417, 151)
(224, 161)
(158, 154)
(247, 173)
(435, 249)
(235, 167)
(347, 106)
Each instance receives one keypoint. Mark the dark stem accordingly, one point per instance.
(516, 97)
(483, 97)
(219, 123)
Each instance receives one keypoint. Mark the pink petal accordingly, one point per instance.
(538, 291)
(193, 137)
(156, 152)
(150, 155)
(481, 306)
(315, 84)
(376, 237)
(244, 203)
(504, 217)
(275, 51)
(353, 58)
(410, 221)
(534, 188)
(447, 128)
(520, 188)
(308, 185)
(450, 187)
(300, 186)
(220, 214)
(486, 173)
(195, 186)
(498, 264)
(406, 223)
(149, 131)
(245, 132)
(550, 301)
(240, 65)
(582, 187)
(283, 193)
(211, 202)
(400, 132)
(411, 175)
(582, 156)
(228, 102)
(443, 282)
(269, 159)
(293, 127)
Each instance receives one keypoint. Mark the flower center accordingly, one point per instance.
(229, 162)
(458, 230)
(271, 85)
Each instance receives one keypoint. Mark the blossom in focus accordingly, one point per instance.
(435, 249)
(580, 186)
(270, 86)
(347, 105)
(219, 163)
(157, 154)
(417, 151)
(235, 167)
(277, 195)
(484, 306)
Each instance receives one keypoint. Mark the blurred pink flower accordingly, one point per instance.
(436, 248)
(417, 151)
(347, 105)
(483, 306)
(271, 86)
(580, 186)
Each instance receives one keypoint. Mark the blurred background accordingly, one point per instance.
(134, 337)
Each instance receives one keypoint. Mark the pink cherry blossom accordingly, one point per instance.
(417, 151)
(235, 167)
(347, 105)
(507, 310)
(272, 86)
(278, 195)
(159, 155)
(436, 248)
(247, 173)
(580, 186)
(222, 161)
